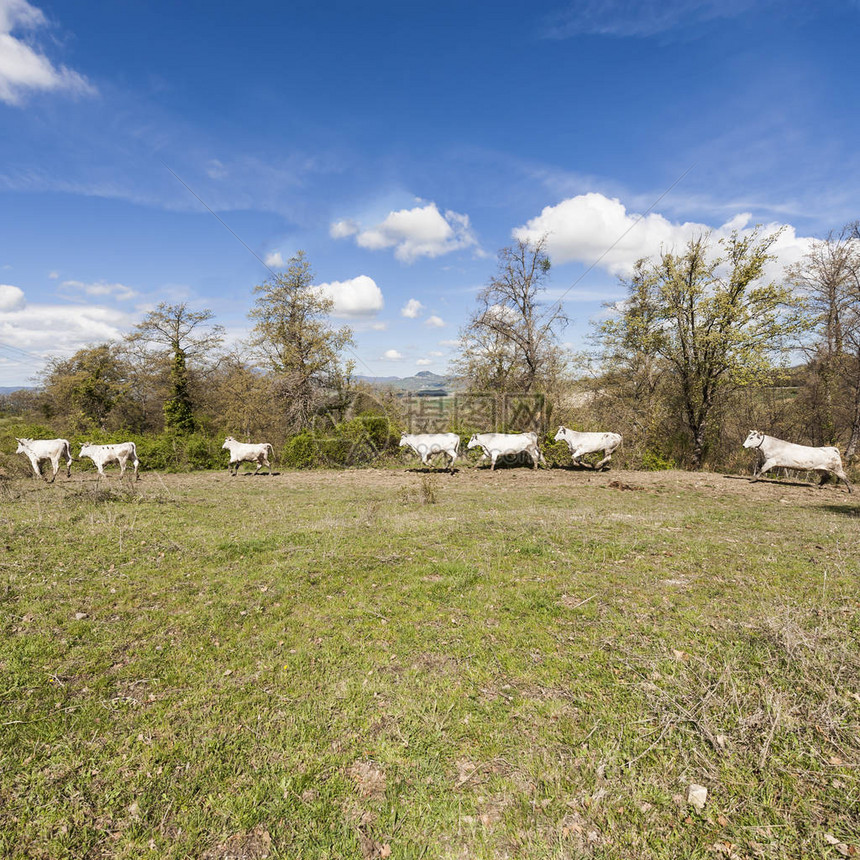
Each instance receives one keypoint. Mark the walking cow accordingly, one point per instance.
(46, 449)
(120, 453)
(242, 452)
(426, 445)
(495, 445)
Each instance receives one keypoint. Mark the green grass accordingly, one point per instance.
(343, 664)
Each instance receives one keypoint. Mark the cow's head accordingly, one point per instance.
(228, 442)
(754, 440)
(561, 433)
(403, 439)
(22, 445)
(85, 449)
(473, 442)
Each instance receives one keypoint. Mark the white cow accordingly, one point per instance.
(776, 452)
(241, 452)
(581, 444)
(495, 445)
(426, 445)
(120, 453)
(46, 449)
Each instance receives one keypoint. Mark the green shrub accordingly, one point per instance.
(654, 462)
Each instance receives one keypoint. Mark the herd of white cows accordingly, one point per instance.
(776, 452)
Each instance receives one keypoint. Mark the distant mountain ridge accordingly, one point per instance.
(422, 379)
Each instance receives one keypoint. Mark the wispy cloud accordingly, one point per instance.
(99, 288)
(639, 18)
(23, 69)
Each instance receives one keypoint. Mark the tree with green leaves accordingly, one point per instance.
(87, 387)
(710, 320)
(176, 334)
(510, 344)
(294, 339)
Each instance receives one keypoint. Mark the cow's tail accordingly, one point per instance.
(67, 450)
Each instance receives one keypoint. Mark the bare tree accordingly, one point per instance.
(830, 275)
(510, 344)
(294, 339)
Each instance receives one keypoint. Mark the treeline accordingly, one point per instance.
(704, 348)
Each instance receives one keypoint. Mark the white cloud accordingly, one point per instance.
(101, 288)
(435, 353)
(46, 330)
(22, 68)
(11, 298)
(592, 227)
(455, 342)
(392, 355)
(274, 260)
(419, 232)
(343, 229)
(435, 322)
(379, 326)
(54, 275)
(411, 309)
(356, 297)
(424, 362)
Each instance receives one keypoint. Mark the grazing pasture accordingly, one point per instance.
(384, 663)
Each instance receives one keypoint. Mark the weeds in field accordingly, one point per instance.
(334, 666)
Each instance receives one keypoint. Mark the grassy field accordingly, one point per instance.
(390, 663)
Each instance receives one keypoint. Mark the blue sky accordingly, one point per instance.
(401, 146)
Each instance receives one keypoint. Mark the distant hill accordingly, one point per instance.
(9, 389)
(423, 379)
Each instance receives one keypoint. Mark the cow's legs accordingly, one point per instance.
(35, 464)
(765, 467)
(55, 464)
(605, 460)
(844, 478)
(493, 458)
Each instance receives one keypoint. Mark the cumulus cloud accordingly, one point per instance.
(591, 227)
(343, 229)
(11, 298)
(424, 362)
(274, 260)
(392, 355)
(411, 309)
(45, 330)
(100, 288)
(357, 297)
(435, 322)
(22, 68)
(423, 231)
